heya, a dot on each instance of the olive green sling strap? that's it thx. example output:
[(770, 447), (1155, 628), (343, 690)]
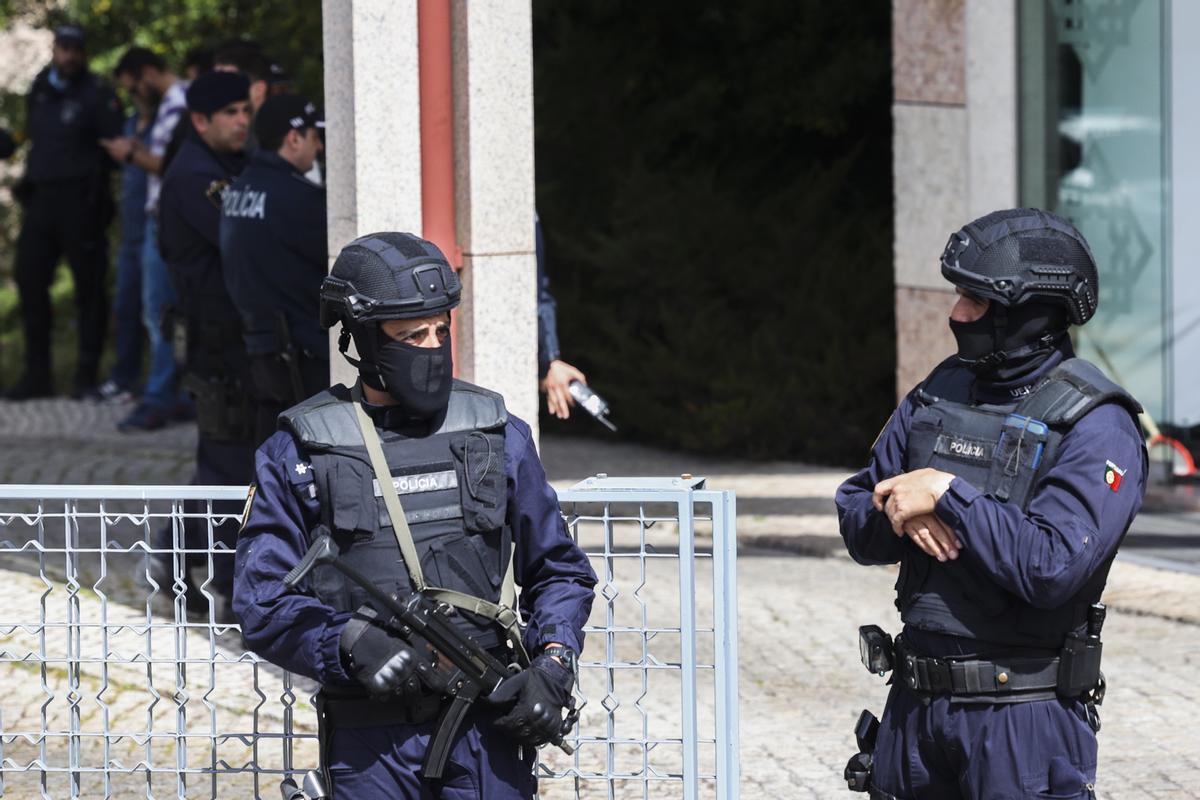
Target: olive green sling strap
[(501, 613)]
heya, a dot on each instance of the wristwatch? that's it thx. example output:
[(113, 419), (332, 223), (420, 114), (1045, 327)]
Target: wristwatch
[(569, 657)]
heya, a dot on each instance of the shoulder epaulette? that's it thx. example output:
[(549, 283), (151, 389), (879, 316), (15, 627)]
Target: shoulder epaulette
[(1073, 389), (328, 420)]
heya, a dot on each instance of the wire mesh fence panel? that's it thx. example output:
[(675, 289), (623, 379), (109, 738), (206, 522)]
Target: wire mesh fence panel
[(124, 674)]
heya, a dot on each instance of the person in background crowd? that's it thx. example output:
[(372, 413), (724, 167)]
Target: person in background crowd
[(145, 75), (554, 374), (215, 367), (8, 145), (274, 254), (198, 61), (68, 205), (248, 58), (127, 305)]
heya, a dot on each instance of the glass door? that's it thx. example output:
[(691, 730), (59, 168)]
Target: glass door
[(1093, 149)]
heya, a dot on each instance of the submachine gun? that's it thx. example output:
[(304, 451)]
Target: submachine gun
[(452, 662)]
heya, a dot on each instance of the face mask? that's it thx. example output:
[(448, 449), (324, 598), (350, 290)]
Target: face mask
[(417, 377), (975, 339)]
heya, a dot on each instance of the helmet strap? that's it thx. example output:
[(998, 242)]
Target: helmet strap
[(366, 365)]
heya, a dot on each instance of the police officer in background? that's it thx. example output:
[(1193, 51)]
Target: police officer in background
[(477, 517), (273, 252), (1003, 485), (215, 366), (8, 145), (68, 206)]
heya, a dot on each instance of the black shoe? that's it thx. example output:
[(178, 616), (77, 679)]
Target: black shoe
[(29, 388)]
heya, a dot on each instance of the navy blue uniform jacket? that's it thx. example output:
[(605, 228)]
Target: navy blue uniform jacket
[(1043, 555), (274, 253), (65, 127), (189, 239), (300, 633)]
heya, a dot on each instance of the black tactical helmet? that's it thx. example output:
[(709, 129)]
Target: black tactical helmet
[(1015, 256), (388, 276)]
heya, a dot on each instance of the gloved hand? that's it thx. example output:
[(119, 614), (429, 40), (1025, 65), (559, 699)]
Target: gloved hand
[(540, 692), (383, 663)]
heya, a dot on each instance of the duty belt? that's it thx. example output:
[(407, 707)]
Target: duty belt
[(364, 712), (1030, 678)]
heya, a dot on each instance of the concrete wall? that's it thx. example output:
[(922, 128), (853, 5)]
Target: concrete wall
[(372, 99), (372, 130), (955, 153), (493, 141)]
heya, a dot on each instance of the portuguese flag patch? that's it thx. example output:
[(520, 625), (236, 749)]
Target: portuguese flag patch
[(1113, 475)]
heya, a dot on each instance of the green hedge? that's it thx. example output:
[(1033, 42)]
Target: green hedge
[(714, 180)]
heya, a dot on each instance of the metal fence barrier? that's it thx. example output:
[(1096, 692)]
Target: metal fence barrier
[(118, 680)]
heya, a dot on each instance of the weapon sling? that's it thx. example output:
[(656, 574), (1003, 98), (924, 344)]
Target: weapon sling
[(502, 613)]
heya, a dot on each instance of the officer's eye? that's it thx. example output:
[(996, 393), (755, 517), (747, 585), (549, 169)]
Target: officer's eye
[(443, 331)]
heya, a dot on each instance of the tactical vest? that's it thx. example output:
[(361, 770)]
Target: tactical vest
[(1002, 451), (451, 483)]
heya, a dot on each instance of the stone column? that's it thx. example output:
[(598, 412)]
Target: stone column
[(954, 77), (930, 172), (494, 198), (372, 129), (372, 100)]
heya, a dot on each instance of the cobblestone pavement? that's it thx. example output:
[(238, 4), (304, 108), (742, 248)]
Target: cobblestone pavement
[(801, 601)]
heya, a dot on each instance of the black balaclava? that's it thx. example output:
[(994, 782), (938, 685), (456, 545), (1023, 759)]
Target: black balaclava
[(1008, 347), (418, 378)]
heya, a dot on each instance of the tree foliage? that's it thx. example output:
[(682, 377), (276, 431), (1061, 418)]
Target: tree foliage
[(714, 180), (290, 32)]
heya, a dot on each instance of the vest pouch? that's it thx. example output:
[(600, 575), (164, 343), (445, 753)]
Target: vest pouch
[(352, 500), (482, 482), (922, 438), (1019, 453), (452, 562)]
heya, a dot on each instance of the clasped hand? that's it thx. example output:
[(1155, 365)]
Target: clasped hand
[(909, 501)]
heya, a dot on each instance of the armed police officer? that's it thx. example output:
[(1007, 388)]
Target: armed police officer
[(1003, 485), (208, 334), (273, 252), (68, 206), (432, 491)]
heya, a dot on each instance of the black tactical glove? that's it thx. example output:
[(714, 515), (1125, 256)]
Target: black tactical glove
[(541, 692), (383, 663)]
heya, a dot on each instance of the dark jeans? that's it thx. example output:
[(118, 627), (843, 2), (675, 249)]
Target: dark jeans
[(127, 314), (157, 294), (63, 219)]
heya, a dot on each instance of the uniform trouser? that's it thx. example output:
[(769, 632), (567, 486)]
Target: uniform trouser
[(384, 763), (928, 748), (274, 392), (127, 314), (63, 219), (218, 463)]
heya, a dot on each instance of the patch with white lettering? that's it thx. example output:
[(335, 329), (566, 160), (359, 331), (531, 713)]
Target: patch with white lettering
[(965, 448), (421, 482), (244, 202)]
